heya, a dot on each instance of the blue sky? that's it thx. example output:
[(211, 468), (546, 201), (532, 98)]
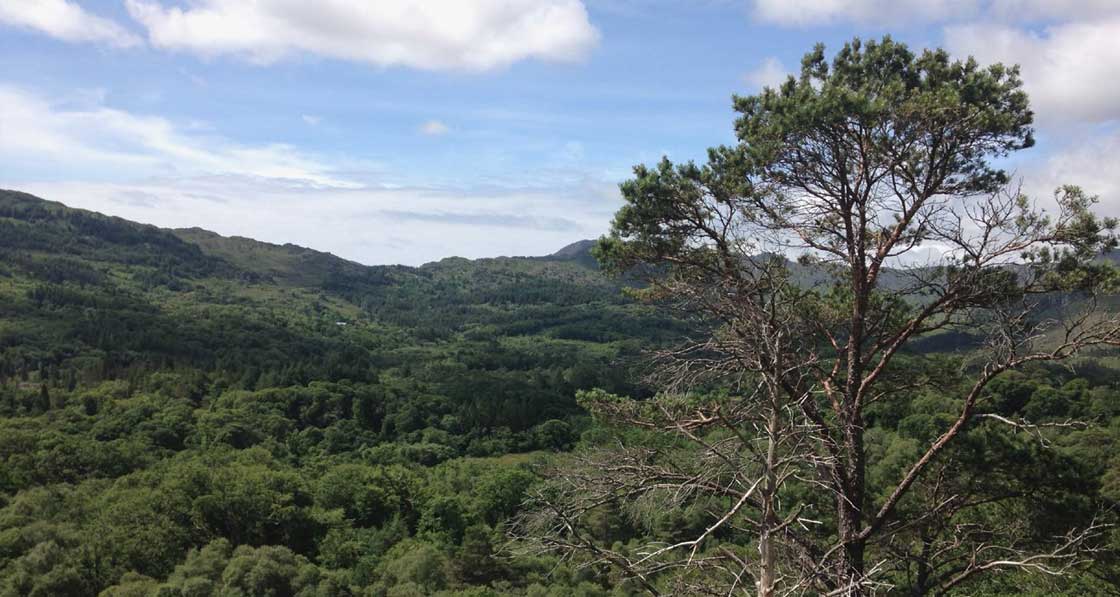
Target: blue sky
[(406, 131)]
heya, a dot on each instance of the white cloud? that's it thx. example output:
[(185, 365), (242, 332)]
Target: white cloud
[(898, 12), (371, 225), (66, 21), (1031, 10), (472, 35), (1072, 71), (892, 12), (94, 139), (1089, 162), (771, 73), (434, 128), (146, 168), (1071, 67), (311, 119)]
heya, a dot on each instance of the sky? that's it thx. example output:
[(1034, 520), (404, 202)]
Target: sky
[(405, 131)]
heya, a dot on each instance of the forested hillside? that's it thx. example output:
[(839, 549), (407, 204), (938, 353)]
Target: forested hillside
[(350, 408), (187, 414)]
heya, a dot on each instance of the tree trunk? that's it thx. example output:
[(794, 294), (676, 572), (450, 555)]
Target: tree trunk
[(849, 506), (767, 575), (851, 494)]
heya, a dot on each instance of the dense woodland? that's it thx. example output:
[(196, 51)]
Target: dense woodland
[(177, 406), (183, 414), (186, 414)]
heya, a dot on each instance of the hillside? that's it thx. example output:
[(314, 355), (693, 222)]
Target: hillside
[(469, 348), (59, 261), (124, 346), (182, 413)]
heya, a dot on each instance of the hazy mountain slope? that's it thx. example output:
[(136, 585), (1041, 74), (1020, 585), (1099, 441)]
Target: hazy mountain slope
[(290, 265), (31, 227), (99, 295)]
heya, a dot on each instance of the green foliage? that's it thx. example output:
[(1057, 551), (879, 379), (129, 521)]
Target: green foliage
[(186, 414), (181, 415), (858, 162)]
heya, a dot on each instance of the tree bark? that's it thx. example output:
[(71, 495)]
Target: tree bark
[(767, 575)]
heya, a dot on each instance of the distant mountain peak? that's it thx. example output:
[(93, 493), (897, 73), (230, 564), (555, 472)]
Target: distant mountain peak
[(578, 252), (576, 249)]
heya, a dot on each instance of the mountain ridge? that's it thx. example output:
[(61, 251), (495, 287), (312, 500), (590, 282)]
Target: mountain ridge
[(150, 285), (10, 198)]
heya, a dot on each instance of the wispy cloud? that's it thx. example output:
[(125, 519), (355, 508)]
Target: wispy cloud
[(88, 137), (88, 154), (771, 73), (434, 128), (66, 21), (370, 225), (491, 220), (801, 13)]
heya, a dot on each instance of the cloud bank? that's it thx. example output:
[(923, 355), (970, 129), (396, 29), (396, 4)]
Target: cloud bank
[(1072, 70), (81, 152), (803, 13), (468, 35), (370, 225)]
